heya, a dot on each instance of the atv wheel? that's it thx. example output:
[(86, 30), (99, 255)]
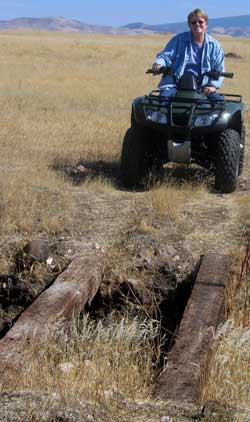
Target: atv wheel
[(242, 149), (137, 157), (228, 161)]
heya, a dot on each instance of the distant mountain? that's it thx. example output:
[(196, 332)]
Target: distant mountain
[(236, 26), (52, 24), (59, 24)]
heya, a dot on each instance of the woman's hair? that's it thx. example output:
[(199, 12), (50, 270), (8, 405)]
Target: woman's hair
[(198, 12)]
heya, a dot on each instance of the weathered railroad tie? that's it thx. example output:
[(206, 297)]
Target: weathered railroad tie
[(61, 302), (181, 379)]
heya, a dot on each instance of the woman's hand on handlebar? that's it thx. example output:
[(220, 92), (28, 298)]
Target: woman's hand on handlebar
[(156, 67), (208, 89)]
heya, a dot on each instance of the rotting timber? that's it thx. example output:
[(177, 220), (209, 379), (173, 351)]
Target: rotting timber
[(63, 301), (181, 378)]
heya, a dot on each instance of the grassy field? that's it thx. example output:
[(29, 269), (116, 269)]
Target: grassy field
[(65, 102), (66, 99)]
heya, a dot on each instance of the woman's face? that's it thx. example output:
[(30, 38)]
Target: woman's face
[(197, 24)]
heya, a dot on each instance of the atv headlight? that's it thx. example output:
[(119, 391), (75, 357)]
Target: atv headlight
[(157, 116), (205, 119)]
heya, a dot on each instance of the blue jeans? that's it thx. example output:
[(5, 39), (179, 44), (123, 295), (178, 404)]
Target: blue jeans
[(170, 91), (215, 96)]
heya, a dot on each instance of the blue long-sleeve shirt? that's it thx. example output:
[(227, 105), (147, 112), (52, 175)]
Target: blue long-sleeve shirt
[(177, 53)]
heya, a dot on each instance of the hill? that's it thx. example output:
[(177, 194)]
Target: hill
[(236, 26)]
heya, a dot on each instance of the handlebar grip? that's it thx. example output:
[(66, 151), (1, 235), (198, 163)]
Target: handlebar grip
[(215, 74), (164, 70), (227, 74)]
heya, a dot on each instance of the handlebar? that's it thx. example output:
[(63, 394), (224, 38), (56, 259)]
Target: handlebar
[(164, 70), (213, 74)]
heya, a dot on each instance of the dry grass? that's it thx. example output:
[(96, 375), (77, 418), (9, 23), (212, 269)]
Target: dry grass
[(100, 362), (67, 97), (228, 376), (34, 202), (99, 185), (243, 216), (167, 199)]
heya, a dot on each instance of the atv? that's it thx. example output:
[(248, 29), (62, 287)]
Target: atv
[(187, 127)]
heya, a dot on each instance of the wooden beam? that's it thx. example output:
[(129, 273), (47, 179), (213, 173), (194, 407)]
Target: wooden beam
[(181, 378), (63, 301)]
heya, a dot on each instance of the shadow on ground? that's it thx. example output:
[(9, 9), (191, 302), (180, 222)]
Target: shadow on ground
[(187, 174), (110, 171), (88, 170), (179, 175)]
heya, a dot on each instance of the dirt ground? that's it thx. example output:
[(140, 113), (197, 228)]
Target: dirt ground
[(170, 251)]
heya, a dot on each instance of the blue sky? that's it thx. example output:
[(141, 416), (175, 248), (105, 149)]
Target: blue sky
[(117, 13)]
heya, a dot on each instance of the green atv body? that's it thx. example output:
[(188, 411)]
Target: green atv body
[(185, 128)]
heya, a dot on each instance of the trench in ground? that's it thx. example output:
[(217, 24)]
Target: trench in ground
[(167, 312), (124, 300), (166, 305)]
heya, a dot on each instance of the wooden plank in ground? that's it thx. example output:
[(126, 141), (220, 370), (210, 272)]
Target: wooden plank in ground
[(61, 302), (181, 379)]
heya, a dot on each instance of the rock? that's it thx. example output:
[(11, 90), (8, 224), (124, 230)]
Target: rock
[(146, 259), (166, 252), (81, 169), (50, 262), (37, 249)]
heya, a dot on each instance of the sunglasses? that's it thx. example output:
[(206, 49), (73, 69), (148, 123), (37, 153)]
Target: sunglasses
[(199, 22)]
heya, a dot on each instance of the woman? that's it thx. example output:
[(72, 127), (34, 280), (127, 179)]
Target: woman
[(192, 51)]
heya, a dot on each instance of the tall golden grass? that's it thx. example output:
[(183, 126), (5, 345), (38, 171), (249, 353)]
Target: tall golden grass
[(66, 98), (102, 363), (228, 376)]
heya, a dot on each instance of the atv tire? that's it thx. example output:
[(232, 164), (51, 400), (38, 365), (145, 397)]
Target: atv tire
[(242, 149), (228, 161), (137, 157)]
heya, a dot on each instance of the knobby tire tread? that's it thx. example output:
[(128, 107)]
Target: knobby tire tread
[(227, 164)]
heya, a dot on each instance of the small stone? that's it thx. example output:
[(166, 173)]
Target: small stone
[(166, 252), (37, 249), (98, 247), (49, 261), (166, 419), (81, 169)]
